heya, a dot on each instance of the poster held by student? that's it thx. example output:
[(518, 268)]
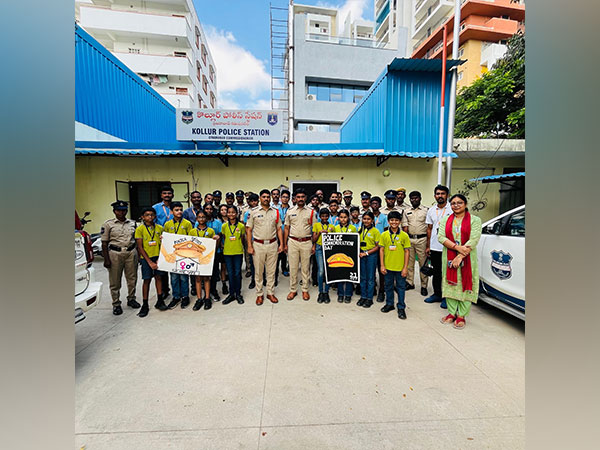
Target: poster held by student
[(340, 253), (189, 255)]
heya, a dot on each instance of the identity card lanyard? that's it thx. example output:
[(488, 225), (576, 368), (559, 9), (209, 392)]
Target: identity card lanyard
[(177, 229), (232, 233), (153, 232), (166, 211)]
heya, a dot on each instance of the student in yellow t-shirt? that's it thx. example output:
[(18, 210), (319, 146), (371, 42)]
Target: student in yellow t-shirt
[(233, 232), (319, 228), (147, 238), (204, 231), (369, 241), (345, 288), (393, 254), (180, 283)]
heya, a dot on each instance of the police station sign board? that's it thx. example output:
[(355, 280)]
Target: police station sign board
[(224, 125)]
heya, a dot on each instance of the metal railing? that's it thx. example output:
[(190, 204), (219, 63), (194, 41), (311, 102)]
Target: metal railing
[(368, 43)]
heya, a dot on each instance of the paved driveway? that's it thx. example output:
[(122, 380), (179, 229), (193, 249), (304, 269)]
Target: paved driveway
[(298, 375)]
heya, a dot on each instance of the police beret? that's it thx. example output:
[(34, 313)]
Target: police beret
[(119, 204), (401, 189), (229, 194), (365, 194), (390, 193), (217, 193), (347, 192), (239, 193)]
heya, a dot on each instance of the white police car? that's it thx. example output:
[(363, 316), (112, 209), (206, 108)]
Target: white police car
[(501, 258)]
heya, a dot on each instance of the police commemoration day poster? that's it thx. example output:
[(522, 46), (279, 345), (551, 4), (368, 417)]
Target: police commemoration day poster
[(340, 253), (189, 255), (220, 125)]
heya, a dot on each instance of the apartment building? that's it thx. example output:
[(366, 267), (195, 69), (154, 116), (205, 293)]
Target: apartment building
[(335, 61), (485, 27), (162, 41)]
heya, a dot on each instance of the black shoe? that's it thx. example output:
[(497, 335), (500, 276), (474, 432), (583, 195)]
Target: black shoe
[(160, 304), (401, 314), (144, 310), (368, 303), (387, 308), (320, 298), (424, 292), (347, 299), (340, 299), (240, 299), (361, 301), (225, 289), (199, 303), (228, 299), (315, 283), (326, 298), (117, 310), (381, 297), (133, 304), (174, 303), (207, 303), (185, 302), (252, 285), (408, 287), (248, 274), (215, 296)]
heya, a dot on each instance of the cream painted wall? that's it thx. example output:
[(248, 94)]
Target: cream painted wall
[(95, 176)]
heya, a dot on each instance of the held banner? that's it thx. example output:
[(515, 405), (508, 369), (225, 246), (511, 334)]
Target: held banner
[(189, 255), (221, 125), (340, 253)]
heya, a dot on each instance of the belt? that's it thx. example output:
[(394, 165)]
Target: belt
[(304, 239), (121, 249), (261, 241), (418, 236)]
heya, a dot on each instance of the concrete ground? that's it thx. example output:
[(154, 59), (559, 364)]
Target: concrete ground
[(298, 375)]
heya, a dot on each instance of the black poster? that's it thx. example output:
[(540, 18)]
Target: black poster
[(340, 253)]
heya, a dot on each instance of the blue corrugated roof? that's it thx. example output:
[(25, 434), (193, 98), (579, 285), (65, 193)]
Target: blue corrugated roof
[(113, 99), (506, 177), (402, 108)]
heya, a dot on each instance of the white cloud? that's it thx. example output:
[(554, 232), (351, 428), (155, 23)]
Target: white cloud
[(356, 8), (238, 70)]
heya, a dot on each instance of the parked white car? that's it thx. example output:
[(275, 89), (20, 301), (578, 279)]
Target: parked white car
[(501, 258), (87, 289)]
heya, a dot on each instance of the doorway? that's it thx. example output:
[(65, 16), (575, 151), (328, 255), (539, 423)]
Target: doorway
[(313, 186), (141, 194)]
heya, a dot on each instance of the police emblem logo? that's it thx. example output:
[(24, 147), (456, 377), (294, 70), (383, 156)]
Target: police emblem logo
[(500, 264), (187, 117), (272, 118)]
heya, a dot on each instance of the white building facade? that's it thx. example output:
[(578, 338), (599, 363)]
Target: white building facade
[(334, 64), (162, 41)]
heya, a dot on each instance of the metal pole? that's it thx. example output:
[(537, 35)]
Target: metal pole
[(452, 104), (441, 143), (291, 72)]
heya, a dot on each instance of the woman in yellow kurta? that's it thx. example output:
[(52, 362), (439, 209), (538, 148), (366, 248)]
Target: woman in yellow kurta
[(459, 233)]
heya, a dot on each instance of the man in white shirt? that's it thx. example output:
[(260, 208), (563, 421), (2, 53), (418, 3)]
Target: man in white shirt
[(434, 248)]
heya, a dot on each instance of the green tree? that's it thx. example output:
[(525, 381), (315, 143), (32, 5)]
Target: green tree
[(494, 105)]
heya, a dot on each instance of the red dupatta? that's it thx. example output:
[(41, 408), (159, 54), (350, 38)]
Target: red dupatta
[(465, 270)]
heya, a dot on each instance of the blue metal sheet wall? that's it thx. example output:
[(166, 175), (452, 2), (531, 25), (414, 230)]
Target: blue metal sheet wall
[(402, 111), (113, 99)]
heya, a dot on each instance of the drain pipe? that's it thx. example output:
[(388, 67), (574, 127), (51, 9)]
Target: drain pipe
[(452, 104), (443, 99)]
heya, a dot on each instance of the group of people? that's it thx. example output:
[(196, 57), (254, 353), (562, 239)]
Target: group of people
[(278, 229)]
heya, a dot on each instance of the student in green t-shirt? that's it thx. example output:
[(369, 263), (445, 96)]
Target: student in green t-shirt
[(204, 231), (345, 288), (369, 241), (393, 255), (233, 232), (319, 228), (147, 238)]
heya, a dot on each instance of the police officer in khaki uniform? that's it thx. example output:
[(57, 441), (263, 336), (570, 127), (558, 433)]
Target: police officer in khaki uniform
[(400, 196), (298, 243), (365, 203), (120, 255), (390, 202), (263, 230), (414, 224)]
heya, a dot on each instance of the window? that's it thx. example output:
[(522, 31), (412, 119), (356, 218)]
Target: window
[(204, 84), (181, 91), (326, 92), (204, 53), (134, 50), (494, 227), (348, 94), (460, 76), (461, 52), (504, 16), (322, 127), (197, 38), (199, 101), (198, 70), (335, 93), (211, 71), (180, 54), (212, 100), (516, 224)]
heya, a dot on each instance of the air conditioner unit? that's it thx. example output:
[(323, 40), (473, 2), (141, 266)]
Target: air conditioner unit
[(311, 128), (311, 97)]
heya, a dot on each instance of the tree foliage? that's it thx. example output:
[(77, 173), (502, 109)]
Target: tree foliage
[(494, 105)]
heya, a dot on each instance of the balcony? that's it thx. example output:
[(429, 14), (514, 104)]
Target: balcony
[(158, 64), (368, 43), (434, 16), (134, 23), (383, 14), (178, 100), (490, 53)]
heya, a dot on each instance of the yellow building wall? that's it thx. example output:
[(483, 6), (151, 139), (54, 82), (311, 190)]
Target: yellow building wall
[(471, 69), (95, 176)]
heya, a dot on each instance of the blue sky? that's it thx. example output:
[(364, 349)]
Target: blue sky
[(238, 37)]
